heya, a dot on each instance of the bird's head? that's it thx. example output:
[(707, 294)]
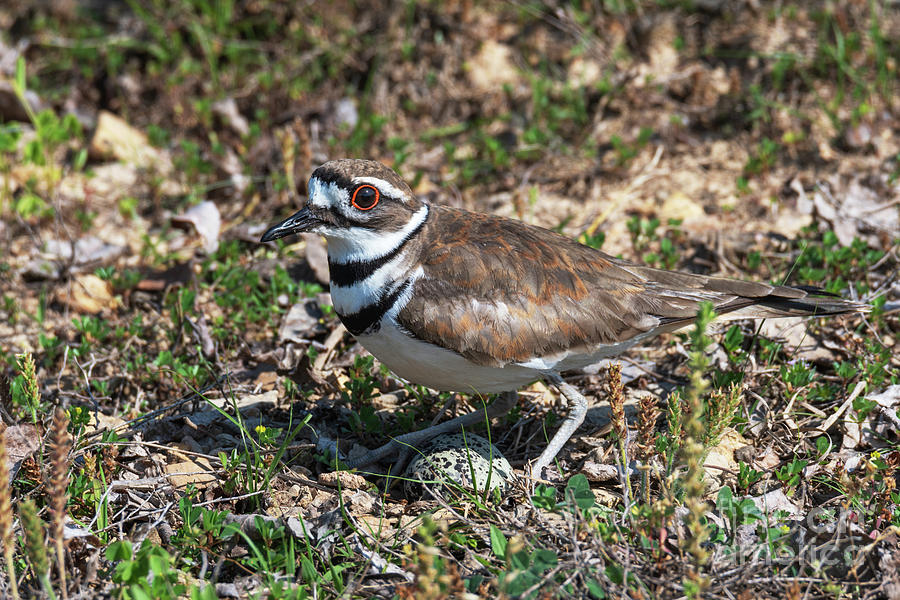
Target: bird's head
[(354, 204)]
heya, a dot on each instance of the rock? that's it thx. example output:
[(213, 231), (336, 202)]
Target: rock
[(88, 294), (345, 113), (344, 480), (679, 207), (492, 67), (774, 501), (86, 250), (116, 139), (599, 472), (196, 471), (721, 457)]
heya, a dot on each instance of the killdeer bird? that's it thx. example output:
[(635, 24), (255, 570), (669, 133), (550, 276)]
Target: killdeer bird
[(468, 302)]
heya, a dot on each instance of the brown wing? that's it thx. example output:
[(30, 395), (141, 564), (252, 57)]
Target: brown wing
[(490, 278)]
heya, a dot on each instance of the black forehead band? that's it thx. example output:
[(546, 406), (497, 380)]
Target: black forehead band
[(342, 173)]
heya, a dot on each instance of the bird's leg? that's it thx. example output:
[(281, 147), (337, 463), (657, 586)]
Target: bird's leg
[(404, 453), (501, 405), (577, 411)]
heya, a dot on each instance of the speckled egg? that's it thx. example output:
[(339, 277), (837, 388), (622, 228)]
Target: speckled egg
[(454, 457)]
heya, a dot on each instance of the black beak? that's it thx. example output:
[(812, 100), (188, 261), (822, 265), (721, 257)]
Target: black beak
[(299, 222)]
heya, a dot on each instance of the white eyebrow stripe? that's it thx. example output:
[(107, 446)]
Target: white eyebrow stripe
[(322, 194), (384, 186)]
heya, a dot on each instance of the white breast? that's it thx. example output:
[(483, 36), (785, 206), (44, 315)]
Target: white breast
[(438, 368), (441, 369)]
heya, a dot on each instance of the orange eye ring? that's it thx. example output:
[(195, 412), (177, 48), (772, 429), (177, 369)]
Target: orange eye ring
[(369, 198)]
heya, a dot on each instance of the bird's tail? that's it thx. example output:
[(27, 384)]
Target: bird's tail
[(793, 301)]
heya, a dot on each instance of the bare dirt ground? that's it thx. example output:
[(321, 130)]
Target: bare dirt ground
[(144, 147)]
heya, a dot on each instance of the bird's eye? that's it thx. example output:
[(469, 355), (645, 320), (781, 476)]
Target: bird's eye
[(365, 197)]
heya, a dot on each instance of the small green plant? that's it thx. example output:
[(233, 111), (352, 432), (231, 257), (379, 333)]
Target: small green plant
[(10, 134), (594, 240), (524, 568), (35, 534), (737, 512), (151, 572), (655, 249), (200, 529), (268, 436), (361, 385), (643, 231), (797, 374), (368, 128), (719, 412), (625, 152), (128, 207), (789, 474), (25, 391), (577, 496), (733, 343), (763, 158), (747, 476), (51, 134), (693, 450), (7, 534), (544, 497)]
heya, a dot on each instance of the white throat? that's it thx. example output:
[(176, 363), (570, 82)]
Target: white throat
[(358, 244)]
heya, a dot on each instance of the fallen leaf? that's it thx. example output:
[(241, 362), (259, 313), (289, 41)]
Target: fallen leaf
[(889, 398), (88, 294), (21, 442), (227, 110), (793, 333), (888, 403), (774, 501), (302, 322), (250, 402), (205, 220), (852, 438), (858, 211)]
